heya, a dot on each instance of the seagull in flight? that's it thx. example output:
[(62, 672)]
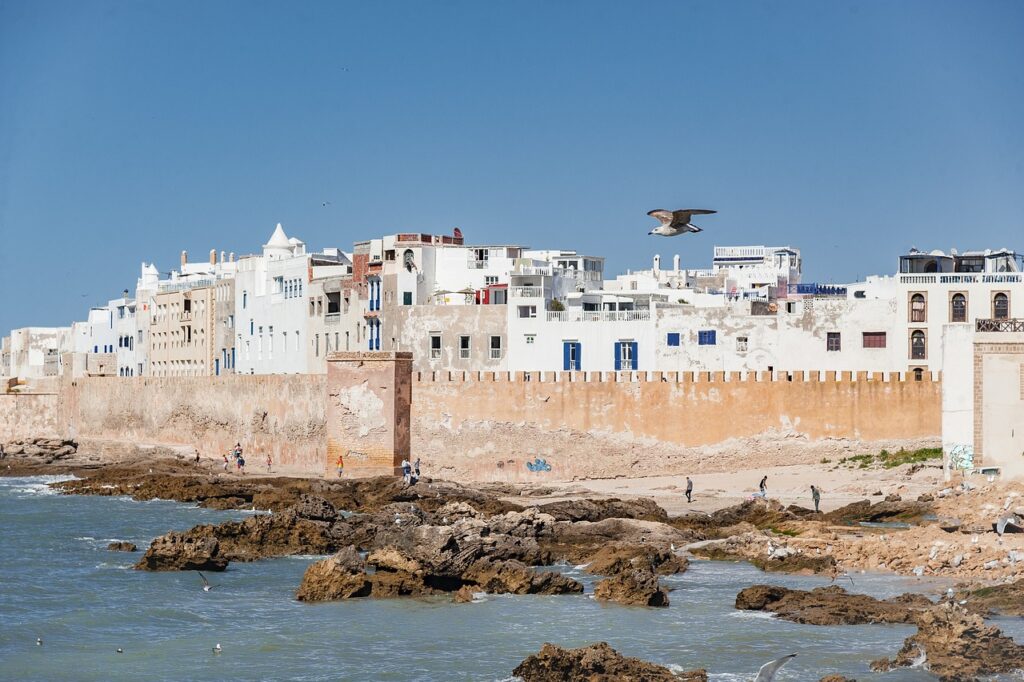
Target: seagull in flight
[(206, 583), (676, 222), (768, 670)]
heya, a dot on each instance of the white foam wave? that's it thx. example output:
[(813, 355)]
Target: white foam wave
[(24, 486), (580, 567), (763, 615)]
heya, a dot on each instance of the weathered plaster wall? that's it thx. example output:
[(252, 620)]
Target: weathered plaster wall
[(482, 427), (28, 416), (282, 415)]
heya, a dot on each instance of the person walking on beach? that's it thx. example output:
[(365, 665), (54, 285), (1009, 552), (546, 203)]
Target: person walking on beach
[(689, 490), (241, 465), (225, 462), (763, 485), (816, 496)]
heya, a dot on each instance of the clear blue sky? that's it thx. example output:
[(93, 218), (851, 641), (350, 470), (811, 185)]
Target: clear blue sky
[(853, 130)]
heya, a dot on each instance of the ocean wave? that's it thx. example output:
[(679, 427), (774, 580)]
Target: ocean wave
[(764, 615), (26, 486), (120, 567)]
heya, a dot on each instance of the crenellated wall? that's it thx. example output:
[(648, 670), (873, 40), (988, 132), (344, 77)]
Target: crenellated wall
[(489, 426), (280, 415)]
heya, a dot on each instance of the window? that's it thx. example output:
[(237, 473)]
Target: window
[(530, 338), (316, 345), (741, 344), (526, 311), (435, 346), (625, 355), (406, 298), (490, 279), (495, 347), (790, 306), (958, 308), (673, 338), (874, 339), (278, 285), (499, 297), (833, 341), (250, 327), (917, 345), (706, 337), (917, 308), (571, 356), (1001, 307), (464, 347), (918, 374)]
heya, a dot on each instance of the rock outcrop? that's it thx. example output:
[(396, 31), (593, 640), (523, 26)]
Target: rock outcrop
[(956, 646), (183, 552), (341, 576), (830, 605), (617, 557), (641, 509), (1006, 599), (634, 587), (595, 663), (122, 546), (42, 450)]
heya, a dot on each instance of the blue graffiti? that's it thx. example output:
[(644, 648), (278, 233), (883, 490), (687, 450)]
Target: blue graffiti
[(538, 464), (961, 456)]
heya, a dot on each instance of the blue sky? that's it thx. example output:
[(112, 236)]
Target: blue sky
[(132, 130)]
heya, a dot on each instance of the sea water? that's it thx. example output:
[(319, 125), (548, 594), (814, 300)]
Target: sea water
[(60, 583)]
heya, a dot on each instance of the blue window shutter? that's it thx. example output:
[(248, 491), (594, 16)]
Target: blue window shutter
[(216, 366), (712, 340), (232, 358), (673, 338), (565, 355), (636, 360), (618, 356), (579, 356)]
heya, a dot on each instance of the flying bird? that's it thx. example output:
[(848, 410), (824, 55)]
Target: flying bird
[(676, 222), (768, 670), (206, 583), (327, 203)]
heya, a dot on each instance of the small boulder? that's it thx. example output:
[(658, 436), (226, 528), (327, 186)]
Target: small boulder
[(122, 546), (595, 663), (636, 587), (183, 552), (340, 576)]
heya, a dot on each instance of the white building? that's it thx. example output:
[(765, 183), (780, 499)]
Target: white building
[(272, 321), (36, 352)]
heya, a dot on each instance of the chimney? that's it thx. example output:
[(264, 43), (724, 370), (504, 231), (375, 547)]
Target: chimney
[(184, 258), (221, 256), (675, 262), (213, 256), (657, 262), (231, 257), (125, 293)]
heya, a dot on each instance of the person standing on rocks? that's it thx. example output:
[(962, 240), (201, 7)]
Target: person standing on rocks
[(689, 490), (816, 496), (341, 466), (269, 463), (406, 471), (225, 462), (763, 485), (416, 468), (241, 465), (197, 455)]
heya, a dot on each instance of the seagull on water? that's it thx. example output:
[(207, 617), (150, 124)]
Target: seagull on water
[(217, 648), (768, 670), (676, 222), (120, 650), (39, 641), (206, 583)]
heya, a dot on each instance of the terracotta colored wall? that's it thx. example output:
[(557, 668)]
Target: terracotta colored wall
[(483, 426), (282, 415)]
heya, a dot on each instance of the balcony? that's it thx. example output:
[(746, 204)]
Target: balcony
[(963, 278), (598, 315), (1014, 325), (332, 319), (526, 292)]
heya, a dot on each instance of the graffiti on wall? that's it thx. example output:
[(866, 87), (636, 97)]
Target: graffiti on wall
[(538, 464), (961, 456)]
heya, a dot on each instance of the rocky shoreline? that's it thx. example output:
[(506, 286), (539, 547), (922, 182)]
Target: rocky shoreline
[(386, 539)]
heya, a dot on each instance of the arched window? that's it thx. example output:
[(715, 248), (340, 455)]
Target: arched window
[(917, 345), (931, 266), (1001, 307), (958, 313), (917, 308), (918, 374)]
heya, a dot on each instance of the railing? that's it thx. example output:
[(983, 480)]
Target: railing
[(184, 285), (1012, 325), (961, 278), (478, 264), (332, 318), (598, 315), (526, 292)]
